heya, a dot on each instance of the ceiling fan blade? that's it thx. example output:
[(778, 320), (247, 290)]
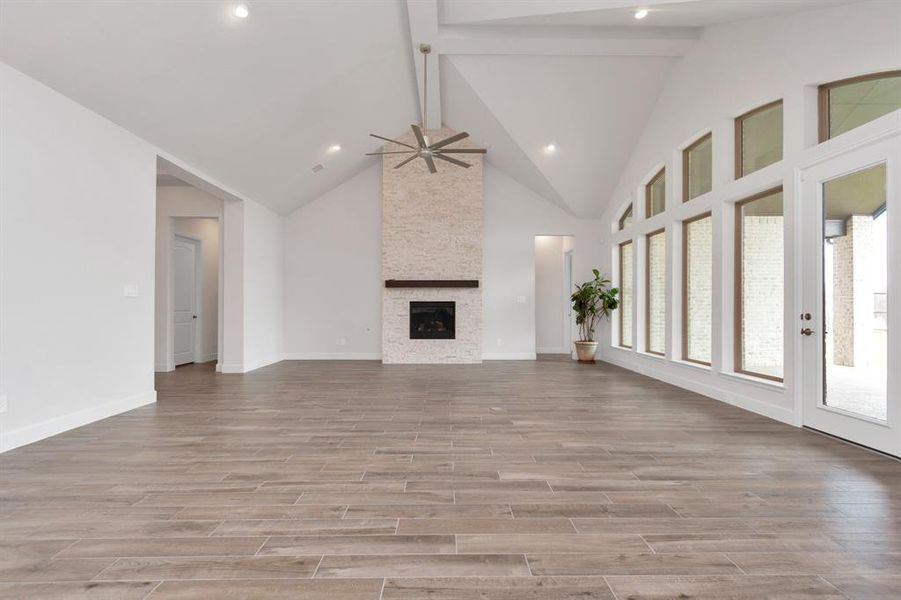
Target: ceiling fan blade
[(405, 161), (392, 141), (454, 138), (430, 163), (461, 150), (453, 160), (419, 137), (390, 152)]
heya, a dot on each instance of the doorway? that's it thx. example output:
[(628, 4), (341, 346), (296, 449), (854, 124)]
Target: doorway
[(187, 298), (848, 320), (553, 287)]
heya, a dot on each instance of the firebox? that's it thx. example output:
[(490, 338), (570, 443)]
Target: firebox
[(432, 321)]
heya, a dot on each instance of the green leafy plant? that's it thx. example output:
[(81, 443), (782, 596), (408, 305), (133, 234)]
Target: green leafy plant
[(592, 301)]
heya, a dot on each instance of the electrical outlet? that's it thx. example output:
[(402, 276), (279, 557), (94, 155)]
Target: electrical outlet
[(130, 290), (3, 403), (341, 341), (520, 299)]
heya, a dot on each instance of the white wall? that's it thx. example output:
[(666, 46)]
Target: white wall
[(333, 272), (333, 284), (733, 68), (264, 254), (206, 232), (77, 226), (181, 205)]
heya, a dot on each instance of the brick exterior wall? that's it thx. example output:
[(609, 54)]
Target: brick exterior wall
[(763, 294), (852, 315), (431, 229), (657, 293), (699, 292), (627, 291)]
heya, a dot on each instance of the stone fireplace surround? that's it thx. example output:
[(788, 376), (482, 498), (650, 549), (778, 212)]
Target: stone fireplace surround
[(431, 230)]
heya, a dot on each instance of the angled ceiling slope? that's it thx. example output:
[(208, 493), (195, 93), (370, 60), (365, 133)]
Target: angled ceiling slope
[(593, 109), (463, 107), (254, 103)]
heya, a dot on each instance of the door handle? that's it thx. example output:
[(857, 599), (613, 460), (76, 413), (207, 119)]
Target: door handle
[(807, 331)]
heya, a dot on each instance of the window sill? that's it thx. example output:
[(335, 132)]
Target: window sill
[(651, 355), (693, 365), (758, 381), (621, 348)]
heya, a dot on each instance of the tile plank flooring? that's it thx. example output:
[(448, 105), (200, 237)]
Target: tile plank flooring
[(505, 481)]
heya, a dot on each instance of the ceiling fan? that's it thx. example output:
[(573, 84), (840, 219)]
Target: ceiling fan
[(424, 150)]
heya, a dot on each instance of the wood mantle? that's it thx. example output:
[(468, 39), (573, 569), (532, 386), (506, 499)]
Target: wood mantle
[(431, 283)]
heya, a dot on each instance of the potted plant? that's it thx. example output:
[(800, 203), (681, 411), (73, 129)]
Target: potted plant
[(592, 301)]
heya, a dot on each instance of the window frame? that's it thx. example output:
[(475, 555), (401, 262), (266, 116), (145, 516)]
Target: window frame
[(685, 165), (647, 291), (622, 300), (628, 212), (738, 340), (738, 133), (685, 224), (661, 174), (823, 91)]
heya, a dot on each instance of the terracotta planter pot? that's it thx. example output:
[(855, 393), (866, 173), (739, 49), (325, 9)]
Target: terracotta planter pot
[(586, 351)]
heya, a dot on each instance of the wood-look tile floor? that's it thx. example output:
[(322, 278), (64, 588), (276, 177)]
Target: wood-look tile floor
[(509, 480)]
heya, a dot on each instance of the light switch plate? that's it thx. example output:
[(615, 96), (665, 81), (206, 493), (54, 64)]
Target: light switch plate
[(520, 299), (130, 290)]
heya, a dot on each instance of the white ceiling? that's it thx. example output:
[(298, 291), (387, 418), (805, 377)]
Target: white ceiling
[(256, 103), (595, 13)]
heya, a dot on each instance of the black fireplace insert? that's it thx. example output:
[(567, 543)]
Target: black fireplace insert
[(432, 321)]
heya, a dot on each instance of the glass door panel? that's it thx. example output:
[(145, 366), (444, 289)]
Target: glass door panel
[(849, 319), (855, 293)]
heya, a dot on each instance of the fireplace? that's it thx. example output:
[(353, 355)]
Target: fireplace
[(432, 321)]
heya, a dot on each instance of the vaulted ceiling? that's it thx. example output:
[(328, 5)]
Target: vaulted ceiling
[(256, 103)]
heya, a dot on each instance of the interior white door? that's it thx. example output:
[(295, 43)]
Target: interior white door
[(184, 263), (849, 320)]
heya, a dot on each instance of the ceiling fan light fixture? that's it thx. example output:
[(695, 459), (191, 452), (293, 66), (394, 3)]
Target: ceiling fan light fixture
[(334, 148), (550, 148), (425, 149)]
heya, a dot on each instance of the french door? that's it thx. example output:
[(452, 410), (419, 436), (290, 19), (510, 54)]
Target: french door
[(849, 318)]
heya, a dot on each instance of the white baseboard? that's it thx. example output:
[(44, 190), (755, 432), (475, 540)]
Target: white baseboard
[(208, 358), (163, 368), (556, 350), (333, 356), (39, 431), (248, 366), (739, 400), (508, 356)]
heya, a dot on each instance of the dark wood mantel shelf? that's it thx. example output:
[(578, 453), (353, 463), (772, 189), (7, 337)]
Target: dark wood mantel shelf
[(431, 283)]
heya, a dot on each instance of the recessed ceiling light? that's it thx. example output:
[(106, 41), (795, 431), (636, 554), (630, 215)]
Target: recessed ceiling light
[(241, 10), (334, 148), (550, 149), (641, 13)]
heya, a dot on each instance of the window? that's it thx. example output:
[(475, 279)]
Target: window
[(850, 103), (759, 285), (655, 194), (697, 288), (626, 290), (626, 219), (758, 138), (697, 168), (655, 293)]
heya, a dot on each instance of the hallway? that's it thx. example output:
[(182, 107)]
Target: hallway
[(513, 480)]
